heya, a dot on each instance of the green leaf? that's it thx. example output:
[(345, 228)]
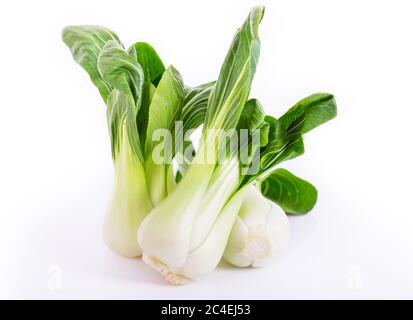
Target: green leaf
[(285, 140), (293, 149), (252, 116), (306, 115), (86, 43), (277, 142), (151, 63), (264, 132), (192, 116), (195, 105), (186, 159), (293, 194), (309, 113), (121, 112), (148, 91), (233, 85), (178, 176), (124, 74), (166, 105), (121, 71), (252, 120)]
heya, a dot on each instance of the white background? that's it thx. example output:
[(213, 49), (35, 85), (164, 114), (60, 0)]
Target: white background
[(56, 168)]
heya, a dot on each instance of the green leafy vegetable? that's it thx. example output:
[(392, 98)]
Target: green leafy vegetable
[(149, 60), (86, 43), (234, 81), (195, 105), (125, 76), (184, 236), (184, 224), (121, 81), (309, 113), (293, 194), (120, 70), (166, 105), (164, 110)]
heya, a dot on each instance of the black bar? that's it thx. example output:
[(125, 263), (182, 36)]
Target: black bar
[(203, 309)]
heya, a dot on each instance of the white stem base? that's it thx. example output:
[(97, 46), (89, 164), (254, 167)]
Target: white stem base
[(258, 247), (165, 271)]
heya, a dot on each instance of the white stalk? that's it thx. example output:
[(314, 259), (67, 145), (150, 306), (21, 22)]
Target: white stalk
[(160, 180), (130, 203), (185, 235), (166, 232), (223, 182), (261, 232), (207, 255)]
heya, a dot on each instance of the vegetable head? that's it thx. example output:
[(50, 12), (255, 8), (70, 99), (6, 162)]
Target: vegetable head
[(260, 233), (183, 224), (184, 236), (142, 97)]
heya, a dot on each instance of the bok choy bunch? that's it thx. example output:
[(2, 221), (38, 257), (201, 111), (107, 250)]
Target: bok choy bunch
[(185, 235), (141, 97), (227, 199)]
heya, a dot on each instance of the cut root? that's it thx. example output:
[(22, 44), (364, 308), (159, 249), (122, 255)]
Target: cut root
[(258, 247), (165, 271)]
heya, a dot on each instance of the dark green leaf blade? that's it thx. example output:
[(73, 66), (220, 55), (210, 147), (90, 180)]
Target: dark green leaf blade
[(121, 114), (233, 85), (86, 43), (148, 91), (121, 70), (293, 149), (285, 137), (166, 105), (151, 63), (195, 105), (252, 116), (185, 159), (124, 74), (309, 113), (293, 194), (264, 132), (277, 142), (251, 137)]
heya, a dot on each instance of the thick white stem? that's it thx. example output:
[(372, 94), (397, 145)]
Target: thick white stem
[(207, 255), (185, 235), (165, 234), (129, 205), (160, 180), (222, 185)]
